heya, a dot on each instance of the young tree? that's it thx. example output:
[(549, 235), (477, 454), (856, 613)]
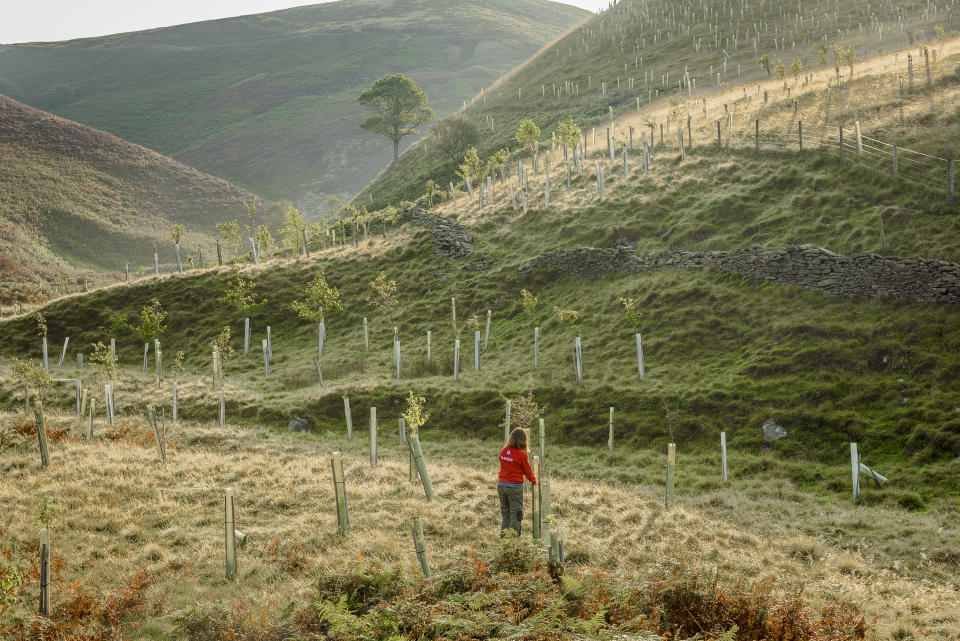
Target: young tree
[(764, 61), (845, 56), (103, 361), (293, 228), (454, 135), (528, 133), (401, 107), (242, 294), (319, 298), (780, 69), (223, 347), (414, 414), (822, 52), (524, 410), (230, 235), (384, 297), (528, 303), (568, 133), (176, 234), (254, 207), (570, 317), (796, 68), (631, 314), (31, 376), (471, 167), (265, 242), (152, 318), (432, 190)]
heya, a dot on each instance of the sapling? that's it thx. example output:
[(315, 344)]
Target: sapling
[(229, 233), (572, 318), (632, 317), (242, 295), (177, 366), (528, 133), (319, 298), (176, 235), (42, 329), (221, 345), (32, 377), (416, 417), (294, 226), (528, 303)]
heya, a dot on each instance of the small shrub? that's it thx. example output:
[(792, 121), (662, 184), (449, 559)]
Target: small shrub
[(363, 587), (515, 555)]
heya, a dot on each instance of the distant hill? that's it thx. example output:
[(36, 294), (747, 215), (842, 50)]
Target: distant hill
[(269, 101), (72, 197), (644, 51)]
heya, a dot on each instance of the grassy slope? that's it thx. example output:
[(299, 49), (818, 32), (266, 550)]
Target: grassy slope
[(637, 23), (269, 101), (115, 517), (75, 197), (725, 354)]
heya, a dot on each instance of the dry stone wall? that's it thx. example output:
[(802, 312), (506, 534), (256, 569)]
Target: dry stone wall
[(806, 266), (449, 239)]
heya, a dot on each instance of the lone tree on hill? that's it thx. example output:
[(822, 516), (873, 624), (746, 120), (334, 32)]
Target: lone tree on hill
[(401, 107)]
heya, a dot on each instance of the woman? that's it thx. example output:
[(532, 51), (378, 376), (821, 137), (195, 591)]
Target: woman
[(514, 465)]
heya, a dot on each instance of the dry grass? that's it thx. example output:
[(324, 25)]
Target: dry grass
[(122, 510)]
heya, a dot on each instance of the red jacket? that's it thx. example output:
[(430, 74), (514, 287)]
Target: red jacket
[(514, 465)]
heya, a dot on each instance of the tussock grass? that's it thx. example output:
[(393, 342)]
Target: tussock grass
[(117, 515)]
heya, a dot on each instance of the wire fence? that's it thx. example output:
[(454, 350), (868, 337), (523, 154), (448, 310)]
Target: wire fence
[(937, 174)]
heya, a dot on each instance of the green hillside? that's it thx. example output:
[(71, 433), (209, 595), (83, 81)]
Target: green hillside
[(74, 198), (268, 101), (652, 51)]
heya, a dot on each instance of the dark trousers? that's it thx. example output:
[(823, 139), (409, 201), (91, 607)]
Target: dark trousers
[(511, 507)]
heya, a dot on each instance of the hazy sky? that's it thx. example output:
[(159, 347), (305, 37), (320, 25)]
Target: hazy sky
[(45, 20)]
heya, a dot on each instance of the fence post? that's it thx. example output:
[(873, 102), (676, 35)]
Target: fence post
[(456, 359), (44, 609), (373, 437), (859, 138), (546, 511), (756, 135), (340, 492), (266, 358), (366, 337), (841, 144), (951, 170), (223, 408), (718, 134), (723, 455), (229, 536), (429, 346), (896, 165), (671, 471), (420, 547), (800, 133), (476, 350), (402, 424)]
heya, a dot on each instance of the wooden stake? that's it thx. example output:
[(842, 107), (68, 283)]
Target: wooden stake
[(546, 510), (266, 357), (44, 608), (536, 348), (176, 404), (230, 540), (373, 437), (429, 351), (640, 367), (671, 471), (543, 448), (223, 410), (366, 337), (420, 547), (535, 499), (340, 490), (476, 350), (456, 359), (402, 424)]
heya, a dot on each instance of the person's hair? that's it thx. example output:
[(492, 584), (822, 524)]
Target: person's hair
[(519, 440)]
